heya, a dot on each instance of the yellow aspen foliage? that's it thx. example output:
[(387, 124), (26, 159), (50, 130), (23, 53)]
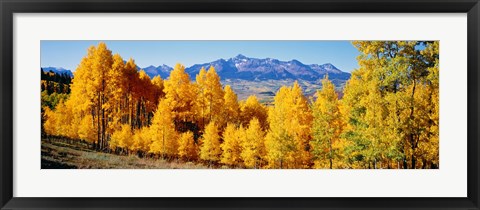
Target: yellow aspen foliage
[(201, 84), (279, 142), (73, 122), (115, 92), (142, 140), (87, 130), (158, 86), (231, 148), (181, 96), (101, 63), (287, 141), (158, 81), (187, 148), (145, 103), (392, 130), (431, 158), (211, 95), (215, 97), (129, 99), (428, 144), (89, 96), (210, 148), (164, 137), (50, 122), (387, 125), (301, 126), (81, 94), (252, 108), (59, 121), (252, 144), (375, 117), (428, 99), (387, 116), (122, 138), (353, 114), (327, 126), (231, 108), (105, 94), (114, 142)]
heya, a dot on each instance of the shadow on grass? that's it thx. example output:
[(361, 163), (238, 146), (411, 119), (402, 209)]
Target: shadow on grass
[(47, 164)]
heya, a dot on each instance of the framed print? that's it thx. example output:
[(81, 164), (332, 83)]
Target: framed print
[(239, 105)]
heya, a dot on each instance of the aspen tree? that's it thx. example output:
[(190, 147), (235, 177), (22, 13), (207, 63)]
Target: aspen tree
[(252, 144), (210, 149)]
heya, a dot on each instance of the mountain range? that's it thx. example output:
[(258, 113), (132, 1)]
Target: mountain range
[(58, 70), (252, 69)]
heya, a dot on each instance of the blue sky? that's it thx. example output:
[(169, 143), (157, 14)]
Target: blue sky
[(67, 54)]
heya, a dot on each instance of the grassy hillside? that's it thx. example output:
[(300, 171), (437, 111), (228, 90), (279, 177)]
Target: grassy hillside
[(265, 90), (61, 154)]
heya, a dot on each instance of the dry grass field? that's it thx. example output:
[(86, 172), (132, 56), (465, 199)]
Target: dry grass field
[(62, 154)]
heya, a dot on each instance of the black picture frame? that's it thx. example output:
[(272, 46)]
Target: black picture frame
[(10, 7)]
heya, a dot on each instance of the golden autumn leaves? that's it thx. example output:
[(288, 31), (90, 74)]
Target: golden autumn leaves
[(387, 118)]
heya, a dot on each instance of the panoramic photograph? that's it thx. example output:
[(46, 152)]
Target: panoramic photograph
[(239, 104)]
